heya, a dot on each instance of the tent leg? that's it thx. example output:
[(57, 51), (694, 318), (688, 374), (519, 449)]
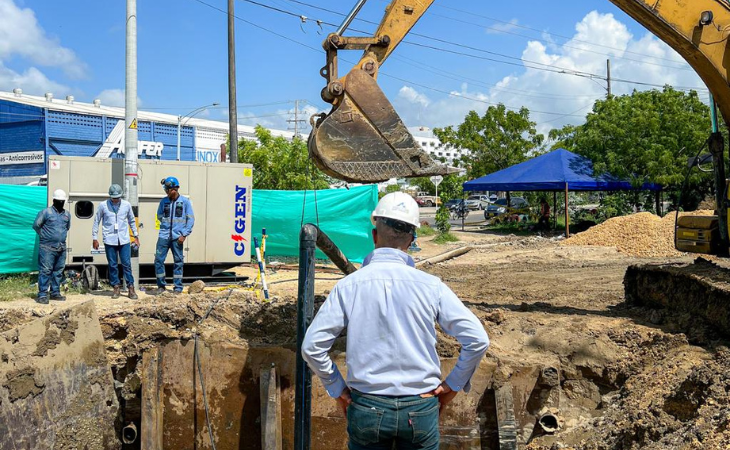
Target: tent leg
[(567, 215)]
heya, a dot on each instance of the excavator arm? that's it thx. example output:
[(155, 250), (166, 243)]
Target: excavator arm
[(362, 139)]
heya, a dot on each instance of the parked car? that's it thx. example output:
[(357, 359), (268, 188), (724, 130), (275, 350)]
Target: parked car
[(452, 202), (477, 202), (428, 200), (518, 205)]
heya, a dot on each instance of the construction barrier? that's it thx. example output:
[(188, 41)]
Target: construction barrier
[(19, 206), (344, 214)]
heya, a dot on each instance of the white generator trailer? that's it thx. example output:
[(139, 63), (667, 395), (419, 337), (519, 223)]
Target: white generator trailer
[(220, 194)]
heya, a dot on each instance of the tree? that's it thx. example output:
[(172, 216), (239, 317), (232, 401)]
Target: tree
[(644, 137), (280, 164), (497, 140)]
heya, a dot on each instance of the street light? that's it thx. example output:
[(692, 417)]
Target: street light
[(189, 116)]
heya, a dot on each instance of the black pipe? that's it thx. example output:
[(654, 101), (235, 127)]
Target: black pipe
[(305, 312), (310, 237)]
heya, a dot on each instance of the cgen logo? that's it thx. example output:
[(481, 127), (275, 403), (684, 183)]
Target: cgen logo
[(239, 222)]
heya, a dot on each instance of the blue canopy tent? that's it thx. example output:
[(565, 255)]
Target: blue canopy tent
[(559, 170)]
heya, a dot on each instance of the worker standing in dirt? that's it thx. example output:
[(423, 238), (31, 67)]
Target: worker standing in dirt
[(543, 222), (176, 218), (52, 225), (116, 218), (394, 390)]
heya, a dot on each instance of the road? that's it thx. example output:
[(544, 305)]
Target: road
[(429, 215)]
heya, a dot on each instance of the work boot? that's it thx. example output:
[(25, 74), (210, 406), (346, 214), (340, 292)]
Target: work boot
[(132, 294), (42, 299), (58, 298), (117, 290)]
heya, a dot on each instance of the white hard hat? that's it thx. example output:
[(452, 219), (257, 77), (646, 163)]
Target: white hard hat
[(397, 206), (59, 194)]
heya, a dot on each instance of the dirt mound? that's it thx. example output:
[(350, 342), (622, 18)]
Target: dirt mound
[(643, 234)]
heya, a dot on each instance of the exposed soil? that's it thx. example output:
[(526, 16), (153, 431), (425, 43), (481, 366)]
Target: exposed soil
[(628, 377)]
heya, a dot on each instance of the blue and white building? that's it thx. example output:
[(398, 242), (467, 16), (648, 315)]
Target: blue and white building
[(32, 128)]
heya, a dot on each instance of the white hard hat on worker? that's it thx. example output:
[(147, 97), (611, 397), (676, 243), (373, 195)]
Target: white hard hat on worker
[(59, 194), (397, 206)]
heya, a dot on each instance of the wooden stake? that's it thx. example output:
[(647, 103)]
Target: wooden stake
[(270, 410), (152, 407)]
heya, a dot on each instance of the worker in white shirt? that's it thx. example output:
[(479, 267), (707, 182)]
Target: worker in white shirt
[(394, 390)]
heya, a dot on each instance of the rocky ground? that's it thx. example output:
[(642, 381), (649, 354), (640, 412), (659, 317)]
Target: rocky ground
[(630, 379)]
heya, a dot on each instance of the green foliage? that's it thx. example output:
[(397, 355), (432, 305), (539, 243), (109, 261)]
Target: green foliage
[(445, 238), (392, 188), (426, 230), (13, 287), (442, 220), (497, 140), (280, 164), (645, 136)]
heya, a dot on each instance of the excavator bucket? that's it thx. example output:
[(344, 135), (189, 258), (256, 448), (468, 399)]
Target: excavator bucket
[(363, 140)]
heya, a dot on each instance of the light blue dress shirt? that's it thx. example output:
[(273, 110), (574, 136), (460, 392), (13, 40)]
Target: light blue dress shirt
[(115, 222), (389, 308)]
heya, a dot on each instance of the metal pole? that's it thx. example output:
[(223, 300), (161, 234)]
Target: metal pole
[(567, 215), (130, 124), (179, 119), (232, 116), (350, 17), (305, 312), (608, 77)]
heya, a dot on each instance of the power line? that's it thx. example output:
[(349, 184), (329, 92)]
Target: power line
[(502, 31), (523, 63)]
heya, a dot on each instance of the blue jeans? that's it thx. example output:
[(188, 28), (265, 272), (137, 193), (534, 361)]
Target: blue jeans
[(50, 270), (403, 423), (117, 255), (163, 245)]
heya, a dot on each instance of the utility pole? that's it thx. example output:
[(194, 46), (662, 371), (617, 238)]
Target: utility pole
[(608, 77), (296, 119), (232, 116), (130, 124)]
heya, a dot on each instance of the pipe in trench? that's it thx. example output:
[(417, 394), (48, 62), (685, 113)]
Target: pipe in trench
[(549, 422), (129, 433)]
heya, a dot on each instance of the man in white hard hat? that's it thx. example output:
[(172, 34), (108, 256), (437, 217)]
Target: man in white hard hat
[(52, 225), (116, 218), (394, 390)]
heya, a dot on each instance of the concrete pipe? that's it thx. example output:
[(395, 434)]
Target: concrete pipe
[(549, 422), (129, 433)]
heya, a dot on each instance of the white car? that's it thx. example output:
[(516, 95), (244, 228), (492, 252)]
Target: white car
[(477, 202)]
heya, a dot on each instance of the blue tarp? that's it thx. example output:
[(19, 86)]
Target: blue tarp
[(551, 172)]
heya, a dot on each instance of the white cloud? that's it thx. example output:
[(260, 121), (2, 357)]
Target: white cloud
[(568, 97), (115, 97), (502, 27), (22, 35), (32, 81)]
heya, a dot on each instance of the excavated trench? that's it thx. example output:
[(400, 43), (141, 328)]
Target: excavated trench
[(563, 381)]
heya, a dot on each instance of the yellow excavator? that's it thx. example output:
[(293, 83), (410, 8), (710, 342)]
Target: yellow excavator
[(362, 139)]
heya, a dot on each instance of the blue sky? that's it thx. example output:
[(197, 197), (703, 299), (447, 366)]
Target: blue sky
[(76, 47)]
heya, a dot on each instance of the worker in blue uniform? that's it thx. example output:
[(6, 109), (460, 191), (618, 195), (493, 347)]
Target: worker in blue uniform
[(394, 389), (52, 225), (176, 218)]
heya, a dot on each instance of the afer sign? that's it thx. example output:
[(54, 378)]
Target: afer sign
[(115, 142)]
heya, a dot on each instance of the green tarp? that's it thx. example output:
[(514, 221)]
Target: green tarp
[(18, 242), (343, 214)]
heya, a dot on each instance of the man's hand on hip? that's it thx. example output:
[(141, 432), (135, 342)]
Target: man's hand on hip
[(344, 400), (95, 244), (445, 394)]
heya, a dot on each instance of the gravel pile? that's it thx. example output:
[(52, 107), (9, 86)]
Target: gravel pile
[(643, 235)]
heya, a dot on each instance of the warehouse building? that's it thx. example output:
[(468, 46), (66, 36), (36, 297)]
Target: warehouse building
[(32, 128)]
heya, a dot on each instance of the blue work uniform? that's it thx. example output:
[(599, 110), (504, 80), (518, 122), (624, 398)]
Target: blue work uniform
[(390, 309), (176, 219), (52, 227), (116, 220)]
